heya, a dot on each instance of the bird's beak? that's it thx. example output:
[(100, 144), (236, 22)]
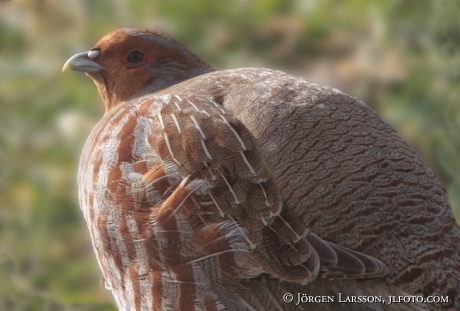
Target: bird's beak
[(81, 62)]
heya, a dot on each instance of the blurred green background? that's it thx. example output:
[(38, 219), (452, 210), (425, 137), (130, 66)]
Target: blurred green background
[(401, 57)]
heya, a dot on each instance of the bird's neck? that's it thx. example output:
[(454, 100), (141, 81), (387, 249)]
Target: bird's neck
[(158, 78)]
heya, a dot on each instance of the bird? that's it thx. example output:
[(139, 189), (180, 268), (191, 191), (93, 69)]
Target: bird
[(252, 189)]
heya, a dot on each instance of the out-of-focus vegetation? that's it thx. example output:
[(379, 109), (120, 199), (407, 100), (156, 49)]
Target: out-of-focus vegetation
[(401, 57)]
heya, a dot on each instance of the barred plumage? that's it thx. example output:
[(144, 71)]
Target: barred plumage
[(224, 190)]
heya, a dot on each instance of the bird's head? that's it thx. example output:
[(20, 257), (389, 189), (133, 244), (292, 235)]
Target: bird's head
[(128, 63)]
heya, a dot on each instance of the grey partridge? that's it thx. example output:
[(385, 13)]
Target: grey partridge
[(227, 190)]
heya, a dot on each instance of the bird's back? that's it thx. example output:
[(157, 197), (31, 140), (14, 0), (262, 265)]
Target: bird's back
[(349, 176)]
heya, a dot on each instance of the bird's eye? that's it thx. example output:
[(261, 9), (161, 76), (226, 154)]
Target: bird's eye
[(135, 56)]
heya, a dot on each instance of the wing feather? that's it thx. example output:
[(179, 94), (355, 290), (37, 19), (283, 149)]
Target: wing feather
[(233, 186)]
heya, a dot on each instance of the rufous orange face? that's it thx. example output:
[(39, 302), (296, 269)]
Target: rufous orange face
[(128, 63)]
